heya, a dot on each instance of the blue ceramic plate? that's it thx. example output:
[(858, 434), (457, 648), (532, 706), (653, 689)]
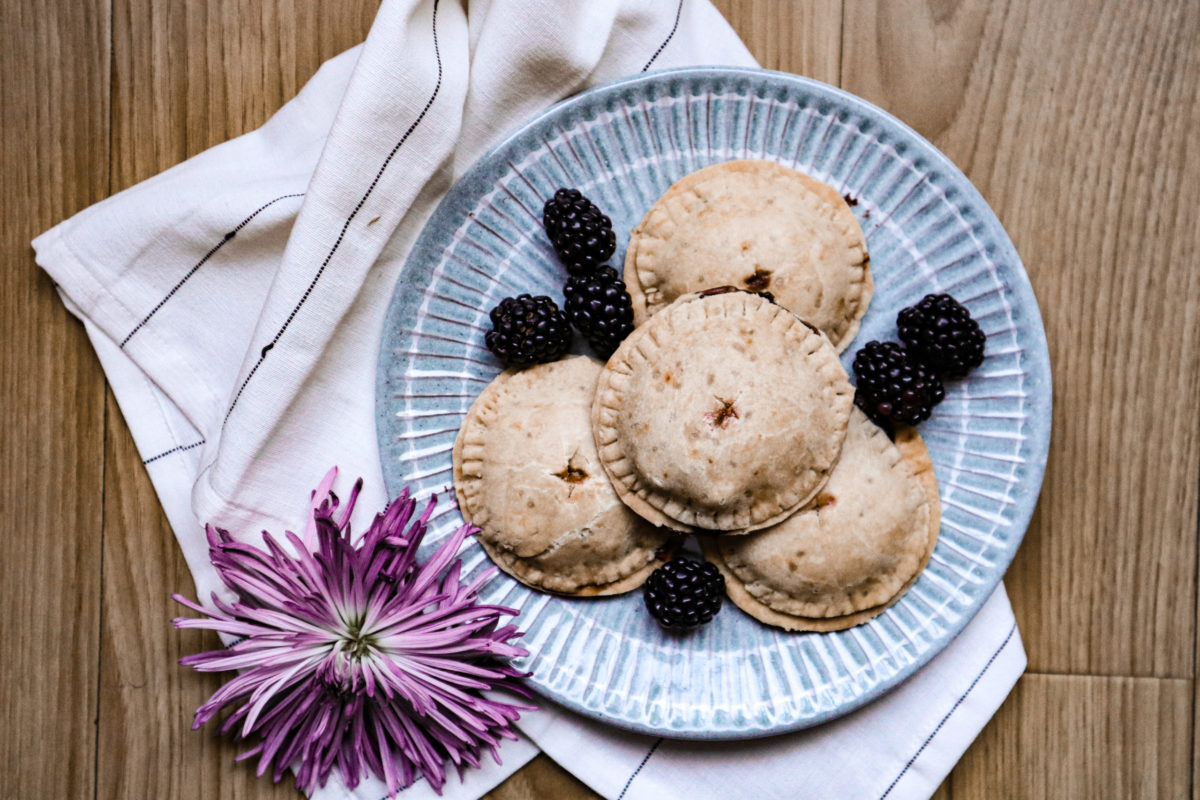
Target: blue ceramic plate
[(928, 230)]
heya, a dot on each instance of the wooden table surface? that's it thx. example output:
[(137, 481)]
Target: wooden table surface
[(1078, 121)]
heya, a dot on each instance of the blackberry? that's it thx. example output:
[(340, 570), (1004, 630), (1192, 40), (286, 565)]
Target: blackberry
[(894, 388), (582, 237), (528, 330), (684, 594), (599, 308), (941, 334)]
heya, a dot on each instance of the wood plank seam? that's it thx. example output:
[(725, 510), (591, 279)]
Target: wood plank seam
[(104, 437), (1194, 784), (103, 528)]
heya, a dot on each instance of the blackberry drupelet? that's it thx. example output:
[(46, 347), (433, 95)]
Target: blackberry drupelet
[(582, 237), (556, 208), (528, 330), (684, 594), (940, 334), (893, 388), (599, 308)]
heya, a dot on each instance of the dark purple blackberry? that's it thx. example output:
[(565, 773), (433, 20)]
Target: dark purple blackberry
[(940, 334), (684, 594), (556, 208), (528, 330), (893, 388), (582, 237), (599, 308)]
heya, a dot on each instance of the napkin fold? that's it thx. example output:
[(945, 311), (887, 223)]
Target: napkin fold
[(236, 303)]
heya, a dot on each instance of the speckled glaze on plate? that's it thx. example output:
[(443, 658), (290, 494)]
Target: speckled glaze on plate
[(928, 230)]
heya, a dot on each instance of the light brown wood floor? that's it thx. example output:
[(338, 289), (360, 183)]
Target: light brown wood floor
[(1080, 123)]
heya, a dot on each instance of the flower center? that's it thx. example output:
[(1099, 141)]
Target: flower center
[(344, 664), (355, 643)]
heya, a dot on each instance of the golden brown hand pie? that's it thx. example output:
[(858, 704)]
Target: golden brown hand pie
[(526, 472), (758, 226), (722, 412), (850, 553)]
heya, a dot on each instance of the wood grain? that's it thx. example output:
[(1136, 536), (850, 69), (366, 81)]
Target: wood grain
[(187, 76), (53, 161), (1075, 119), (146, 698), (1078, 126), (804, 38), (541, 777), (1077, 736)]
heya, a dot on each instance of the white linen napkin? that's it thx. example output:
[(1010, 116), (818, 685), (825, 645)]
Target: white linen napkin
[(236, 303)]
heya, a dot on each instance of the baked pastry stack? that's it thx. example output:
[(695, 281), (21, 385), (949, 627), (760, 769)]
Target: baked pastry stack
[(726, 413)]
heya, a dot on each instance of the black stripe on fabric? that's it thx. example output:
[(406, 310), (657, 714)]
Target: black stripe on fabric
[(178, 449), (653, 747), (667, 41), (953, 708), (345, 226), (212, 252), (416, 779)]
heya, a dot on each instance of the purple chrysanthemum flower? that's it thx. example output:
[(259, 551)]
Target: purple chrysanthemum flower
[(356, 656)]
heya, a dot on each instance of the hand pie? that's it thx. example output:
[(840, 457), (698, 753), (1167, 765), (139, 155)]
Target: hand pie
[(526, 472), (758, 226), (851, 552), (723, 412)]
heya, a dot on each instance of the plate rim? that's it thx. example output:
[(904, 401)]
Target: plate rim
[(1040, 404)]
